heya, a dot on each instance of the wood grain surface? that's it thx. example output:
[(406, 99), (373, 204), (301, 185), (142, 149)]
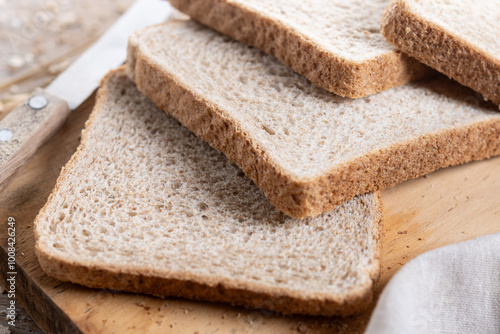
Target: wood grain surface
[(40, 38), (24, 323), (30, 129), (448, 206)]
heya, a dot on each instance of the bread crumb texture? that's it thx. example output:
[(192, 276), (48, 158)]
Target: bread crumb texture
[(457, 38), (146, 206), (336, 44), (347, 29), (309, 150)]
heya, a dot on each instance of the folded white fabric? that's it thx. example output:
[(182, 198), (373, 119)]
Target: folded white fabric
[(454, 289)]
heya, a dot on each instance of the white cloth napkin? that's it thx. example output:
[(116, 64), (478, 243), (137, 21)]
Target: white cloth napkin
[(454, 289)]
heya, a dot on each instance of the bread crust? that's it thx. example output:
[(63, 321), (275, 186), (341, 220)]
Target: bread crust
[(249, 296), (217, 289), (309, 197), (442, 50), (342, 76)]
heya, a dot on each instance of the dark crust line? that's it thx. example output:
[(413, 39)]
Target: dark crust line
[(165, 287), (335, 74), (101, 276), (379, 169), (442, 50)]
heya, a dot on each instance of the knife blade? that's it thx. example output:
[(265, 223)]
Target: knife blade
[(35, 120)]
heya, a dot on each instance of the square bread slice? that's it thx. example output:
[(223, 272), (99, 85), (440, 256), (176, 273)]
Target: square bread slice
[(307, 149), (458, 38), (146, 206), (336, 44)]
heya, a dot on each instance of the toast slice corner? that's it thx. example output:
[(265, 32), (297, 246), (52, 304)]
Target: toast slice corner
[(145, 206)]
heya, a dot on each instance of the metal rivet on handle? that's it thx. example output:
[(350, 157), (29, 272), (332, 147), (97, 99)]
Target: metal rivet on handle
[(5, 135), (37, 102)]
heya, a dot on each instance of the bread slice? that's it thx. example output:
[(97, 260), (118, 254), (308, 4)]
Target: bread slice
[(307, 149), (145, 206), (458, 38), (334, 43)]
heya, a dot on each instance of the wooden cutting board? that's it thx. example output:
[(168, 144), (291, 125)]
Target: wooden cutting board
[(448, 206)]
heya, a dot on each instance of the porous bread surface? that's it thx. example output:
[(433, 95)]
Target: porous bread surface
[(145, 205), (309, 150), (335, 44), (457, 38), (475, 21), (346, 29)]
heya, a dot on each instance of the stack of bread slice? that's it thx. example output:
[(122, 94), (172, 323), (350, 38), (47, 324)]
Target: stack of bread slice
[(145, 206)]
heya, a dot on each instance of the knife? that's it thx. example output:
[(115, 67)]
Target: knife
[(35, 120)]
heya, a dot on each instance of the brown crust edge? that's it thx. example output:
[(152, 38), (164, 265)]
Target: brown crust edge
[(96, 276), (442, 50), (377, 170), (338, 75), (91, 276)]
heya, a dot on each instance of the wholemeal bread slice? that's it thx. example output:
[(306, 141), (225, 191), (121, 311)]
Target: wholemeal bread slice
[(458, 38), (145, 206), (307, 149), (334, 43)]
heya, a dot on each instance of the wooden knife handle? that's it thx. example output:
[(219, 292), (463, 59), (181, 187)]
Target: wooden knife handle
[(26, 128)]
